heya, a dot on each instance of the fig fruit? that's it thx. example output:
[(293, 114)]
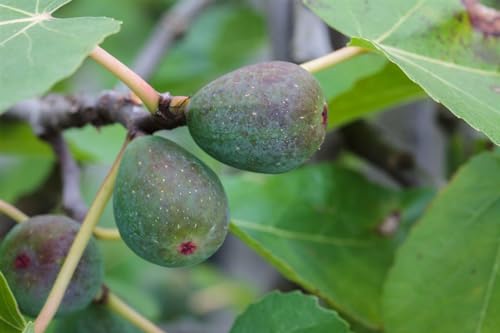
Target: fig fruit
[(97, 318), (269, 117), (170, 208), (31, 256)]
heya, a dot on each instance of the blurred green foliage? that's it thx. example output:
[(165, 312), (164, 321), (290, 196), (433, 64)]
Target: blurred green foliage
[(228, 35)]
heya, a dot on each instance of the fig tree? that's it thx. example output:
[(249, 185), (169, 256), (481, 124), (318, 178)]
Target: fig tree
[(269, 117), (170, 208), (31, 256)]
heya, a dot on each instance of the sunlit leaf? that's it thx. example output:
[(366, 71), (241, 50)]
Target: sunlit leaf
[(37, 49)]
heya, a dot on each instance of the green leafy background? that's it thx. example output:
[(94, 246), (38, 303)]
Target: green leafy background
[(319, 225)]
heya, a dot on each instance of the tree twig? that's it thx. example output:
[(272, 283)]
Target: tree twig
[(280, 22), (172, 25), (72, 199), (483, 18), (54, 113)]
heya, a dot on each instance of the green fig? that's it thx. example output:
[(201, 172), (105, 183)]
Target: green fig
[(31, 256), (97, 318), (269, 117), (170, 208)]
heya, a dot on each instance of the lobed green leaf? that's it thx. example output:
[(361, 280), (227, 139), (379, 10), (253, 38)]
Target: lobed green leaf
[(38, 50), (435, 45)]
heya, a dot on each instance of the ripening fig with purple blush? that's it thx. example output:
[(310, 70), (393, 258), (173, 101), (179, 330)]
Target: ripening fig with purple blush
[(269, 117), (31, 257)]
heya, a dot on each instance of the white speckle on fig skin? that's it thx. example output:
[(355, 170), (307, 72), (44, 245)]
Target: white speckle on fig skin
[(176, 183), (280, 93)]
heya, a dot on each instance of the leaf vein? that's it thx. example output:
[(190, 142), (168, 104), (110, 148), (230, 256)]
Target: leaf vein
[(402, 20), (320, 239), (448, 83), (356, 21), (29, 51), (489, 290), (20, 32), (441, 62), (56, 7), (21, 20), (17, 10)]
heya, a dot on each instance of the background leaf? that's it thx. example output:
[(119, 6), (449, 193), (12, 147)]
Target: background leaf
[(446, 276), (11, 320), (100, 144), (318, 227), (25, 161), (289, 313), (46, 48), (21, 174), (223, 38), (434, 43)]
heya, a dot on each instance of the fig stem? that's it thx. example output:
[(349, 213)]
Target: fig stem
[(332, 59), (106, 233), (12, 212), (120, 307), (78, 247), (147, 94), (19, 217)]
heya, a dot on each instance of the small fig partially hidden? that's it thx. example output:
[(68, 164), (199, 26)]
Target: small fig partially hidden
[(97, 318), (269, 117), (31, 256), (170, 208)]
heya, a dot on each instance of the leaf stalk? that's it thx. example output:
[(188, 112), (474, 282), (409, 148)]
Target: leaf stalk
[(332, 59), (120, 307), (147, 94), (12, 212)]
